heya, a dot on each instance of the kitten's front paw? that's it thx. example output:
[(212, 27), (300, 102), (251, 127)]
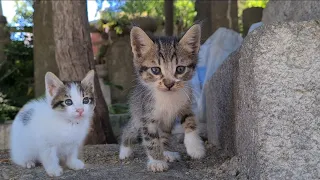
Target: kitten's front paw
[(125, 152), (157, 165), (194, 145), (30, 164), (75, 164), (54, 171), (171, 156)]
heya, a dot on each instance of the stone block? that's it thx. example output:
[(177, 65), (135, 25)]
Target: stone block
[(277, 110), (212, 54), (291, 10), (4, 135), (263, 103), (220, 96)]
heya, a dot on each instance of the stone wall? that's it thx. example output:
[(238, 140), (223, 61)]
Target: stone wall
[(268, 92), (291, 10), (220, 97), (4, 135), (212, 54)]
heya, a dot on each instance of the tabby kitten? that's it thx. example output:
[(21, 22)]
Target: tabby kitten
[(164, 67), (53, 128)]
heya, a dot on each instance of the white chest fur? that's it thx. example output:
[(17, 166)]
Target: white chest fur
[(169, 104)]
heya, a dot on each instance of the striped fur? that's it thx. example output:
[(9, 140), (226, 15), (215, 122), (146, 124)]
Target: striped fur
[(164, 66)]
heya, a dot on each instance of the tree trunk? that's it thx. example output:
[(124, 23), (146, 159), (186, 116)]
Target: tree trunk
[(216, 14), (225, 14), (168, 13), (74, 57), (4, 37), (44, 53)]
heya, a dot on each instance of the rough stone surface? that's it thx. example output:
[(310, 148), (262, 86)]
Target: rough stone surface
[(291, 10), (4, 135), (263, 102), (278, 102), (212, 54), (220, 97), (102, 163)]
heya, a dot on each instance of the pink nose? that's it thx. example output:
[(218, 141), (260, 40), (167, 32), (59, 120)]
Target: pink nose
[(80, 111)]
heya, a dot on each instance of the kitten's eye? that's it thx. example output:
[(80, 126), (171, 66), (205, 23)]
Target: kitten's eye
[(86, 100), (156, 70), (180, 69), (68, 102)]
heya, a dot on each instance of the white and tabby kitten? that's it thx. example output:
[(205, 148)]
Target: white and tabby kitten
[(53, 128), (164, 66)]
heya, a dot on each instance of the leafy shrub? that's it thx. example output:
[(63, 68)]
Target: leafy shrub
[(16, 73), (120, 18), (7, 112), (118, 109), (242, 5)]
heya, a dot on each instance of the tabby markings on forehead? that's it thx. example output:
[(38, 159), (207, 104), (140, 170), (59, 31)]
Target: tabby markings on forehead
[(77, 83), (159, 51)]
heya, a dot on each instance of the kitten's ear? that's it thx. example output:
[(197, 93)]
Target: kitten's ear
[(191, 39), (88, 80), (52, 84), (140, 42)]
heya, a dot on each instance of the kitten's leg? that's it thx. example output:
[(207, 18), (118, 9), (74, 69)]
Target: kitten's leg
[(192, 141), (72, 159), (129, 136), (169, 155), (50, 161), (22, 157), (153, 145)]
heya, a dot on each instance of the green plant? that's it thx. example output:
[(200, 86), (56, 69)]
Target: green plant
[(114, 85), (16, 73), (115, 20), (245, 4), (119, 19), (118, 108), (24, 13), (255, 3), (184, 13), (7, 111)]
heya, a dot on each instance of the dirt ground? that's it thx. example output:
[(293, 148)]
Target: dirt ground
[(102, 163)]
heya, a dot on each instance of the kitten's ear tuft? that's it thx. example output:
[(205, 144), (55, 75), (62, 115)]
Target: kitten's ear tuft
[(53, 83), (88, 80), (140, 42), (191, 39)]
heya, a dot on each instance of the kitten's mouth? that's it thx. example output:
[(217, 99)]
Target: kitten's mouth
[(167, 90), (79, 116)]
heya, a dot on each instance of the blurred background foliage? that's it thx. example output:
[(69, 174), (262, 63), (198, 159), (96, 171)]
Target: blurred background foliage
[(119, 17), (245, 4), (16, 73)]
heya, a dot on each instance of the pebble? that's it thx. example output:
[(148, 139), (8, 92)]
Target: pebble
[(5, 175)]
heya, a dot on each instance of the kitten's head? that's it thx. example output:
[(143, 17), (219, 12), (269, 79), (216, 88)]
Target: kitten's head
[(165, 63), (73, 100)]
